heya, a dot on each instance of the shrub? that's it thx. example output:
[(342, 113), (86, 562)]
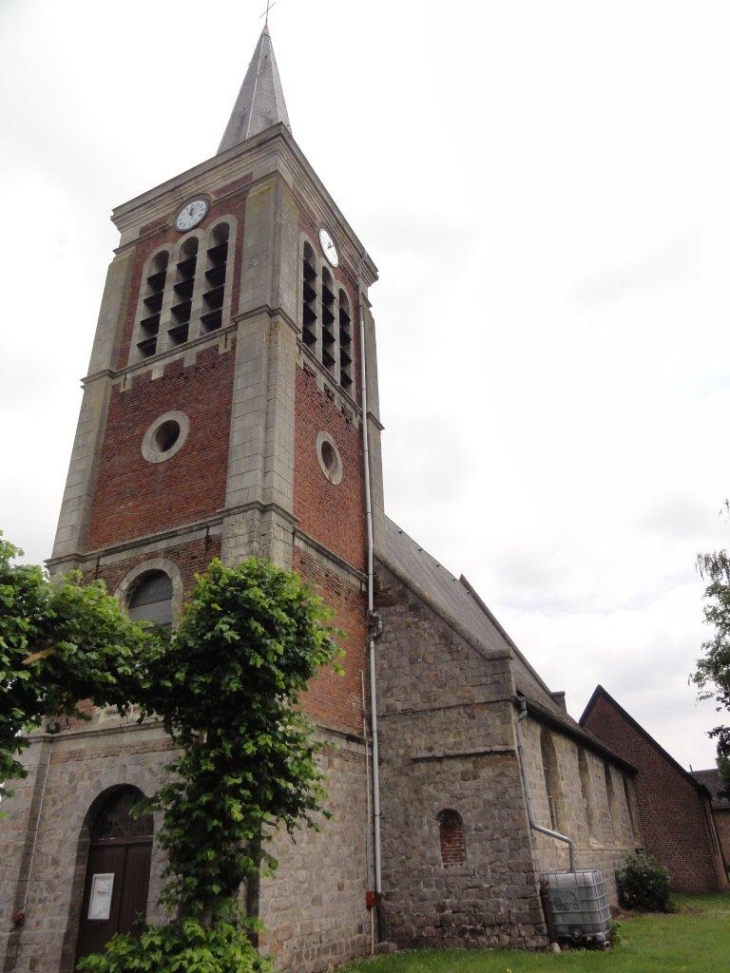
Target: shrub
[(184, 946), (643, 884)]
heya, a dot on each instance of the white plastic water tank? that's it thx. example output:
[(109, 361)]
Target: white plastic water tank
[(577, 903)]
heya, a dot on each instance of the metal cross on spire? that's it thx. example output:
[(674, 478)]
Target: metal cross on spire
[(269, 5)]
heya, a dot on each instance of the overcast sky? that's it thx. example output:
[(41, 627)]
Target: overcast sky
[(545, 188)]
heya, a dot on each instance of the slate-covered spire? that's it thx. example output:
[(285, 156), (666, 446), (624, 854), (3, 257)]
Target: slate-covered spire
[(260, 103)]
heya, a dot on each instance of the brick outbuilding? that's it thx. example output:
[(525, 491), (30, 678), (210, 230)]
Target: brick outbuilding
[(675, 809)]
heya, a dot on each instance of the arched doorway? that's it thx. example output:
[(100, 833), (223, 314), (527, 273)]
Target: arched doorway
[(117, 873)]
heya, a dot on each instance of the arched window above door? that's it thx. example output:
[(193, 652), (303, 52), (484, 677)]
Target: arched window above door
[(115, 821), (151, 598)]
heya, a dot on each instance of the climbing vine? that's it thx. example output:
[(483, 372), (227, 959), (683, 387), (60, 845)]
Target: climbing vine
[(228, 686)]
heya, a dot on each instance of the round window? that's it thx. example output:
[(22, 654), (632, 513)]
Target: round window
[(165, 437), (330, 461)]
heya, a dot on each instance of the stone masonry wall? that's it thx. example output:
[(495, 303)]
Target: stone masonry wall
[(314, 906), (602, 837), (81, 765), (447, 743)]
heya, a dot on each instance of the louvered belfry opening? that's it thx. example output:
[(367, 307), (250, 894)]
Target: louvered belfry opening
[(215, 278), (154, 290), (345, 342), (309, 298), (183, 288)]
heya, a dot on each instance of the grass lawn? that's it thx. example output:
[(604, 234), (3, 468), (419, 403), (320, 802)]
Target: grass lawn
[(695, 939)]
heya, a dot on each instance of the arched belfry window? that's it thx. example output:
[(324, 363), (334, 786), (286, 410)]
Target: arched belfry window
[(329, 334), (345, 336), (309, 298), (153, 292), (215, 278), (327, 319), (451, 837), (183, 291), (151, 598)]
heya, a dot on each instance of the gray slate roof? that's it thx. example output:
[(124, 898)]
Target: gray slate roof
[(260, 103), (456, 601), (711, 780)]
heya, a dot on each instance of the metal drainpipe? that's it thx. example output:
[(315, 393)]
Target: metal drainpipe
[(528, 792), (373, 629)]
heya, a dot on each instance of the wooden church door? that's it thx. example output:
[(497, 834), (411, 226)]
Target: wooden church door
[(117, 874)]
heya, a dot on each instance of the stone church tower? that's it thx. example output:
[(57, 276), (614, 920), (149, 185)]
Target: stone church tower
[(231, 408), (221, 417)]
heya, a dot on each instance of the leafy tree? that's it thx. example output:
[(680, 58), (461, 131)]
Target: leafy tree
[(712, 675), (227, 685), (60, 642), (228, 688)]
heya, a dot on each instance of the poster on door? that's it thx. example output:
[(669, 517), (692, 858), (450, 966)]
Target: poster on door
[(100, 900)]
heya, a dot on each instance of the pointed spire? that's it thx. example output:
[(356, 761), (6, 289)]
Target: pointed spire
[(260, 103)]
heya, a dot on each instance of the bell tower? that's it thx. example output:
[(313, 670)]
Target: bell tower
[(222, 409), (222, 416)]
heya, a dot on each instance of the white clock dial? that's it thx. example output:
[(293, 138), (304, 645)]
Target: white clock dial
[(191, 214), (328, 247)]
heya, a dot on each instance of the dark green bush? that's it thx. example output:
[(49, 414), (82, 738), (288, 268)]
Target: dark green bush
[(643, 884)]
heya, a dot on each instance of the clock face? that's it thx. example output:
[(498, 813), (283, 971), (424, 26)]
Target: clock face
[(191, 214), (328, 247)]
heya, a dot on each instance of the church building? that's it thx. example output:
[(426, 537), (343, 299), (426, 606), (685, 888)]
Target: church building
[(231, 408)]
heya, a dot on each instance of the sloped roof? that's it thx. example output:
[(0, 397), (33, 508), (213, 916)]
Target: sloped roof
[(600, 693), (711, 780), (457, 602)]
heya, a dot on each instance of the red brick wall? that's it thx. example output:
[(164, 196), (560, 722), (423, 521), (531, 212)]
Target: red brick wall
[(333, 700), (134, 497), (190, 558), (673, 814), (451, 838), (333, 515)]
